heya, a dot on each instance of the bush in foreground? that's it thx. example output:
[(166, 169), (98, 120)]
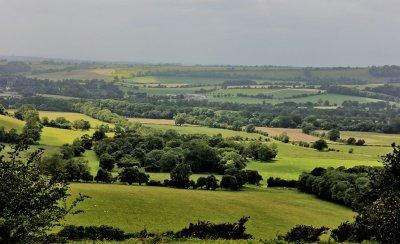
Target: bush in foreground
[(304, 233)]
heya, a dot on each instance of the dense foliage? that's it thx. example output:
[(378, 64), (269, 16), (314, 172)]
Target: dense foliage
[(30, 203)]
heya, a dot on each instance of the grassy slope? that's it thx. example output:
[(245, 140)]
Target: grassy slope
[(50, 136), (159, 209), (205, 130)]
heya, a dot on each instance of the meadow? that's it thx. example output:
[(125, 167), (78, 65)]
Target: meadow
[(158, 209)]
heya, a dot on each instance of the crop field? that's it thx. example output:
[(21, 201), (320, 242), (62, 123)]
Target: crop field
[(153, 121), (190, 129), (167, 90), (83, 74), (161, 209), (334, 99), (372, 138), (294, 134)]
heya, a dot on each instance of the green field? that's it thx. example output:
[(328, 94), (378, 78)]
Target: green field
[(188, 129), (158, 209), (50, 136)]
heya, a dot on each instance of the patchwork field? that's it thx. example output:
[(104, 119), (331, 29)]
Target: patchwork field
[(161, 209), (294, 134)]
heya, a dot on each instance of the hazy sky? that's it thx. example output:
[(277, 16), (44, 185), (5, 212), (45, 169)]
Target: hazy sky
[(276, 32)]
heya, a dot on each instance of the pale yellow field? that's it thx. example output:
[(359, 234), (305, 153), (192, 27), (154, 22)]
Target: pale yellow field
[(294, 134), (153, 121)]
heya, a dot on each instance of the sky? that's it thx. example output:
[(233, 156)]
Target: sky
[(246, 32)]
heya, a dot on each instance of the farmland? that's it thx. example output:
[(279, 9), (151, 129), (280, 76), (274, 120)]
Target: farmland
[(270, 211), (222, 115)]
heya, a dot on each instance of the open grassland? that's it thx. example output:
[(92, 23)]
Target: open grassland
[(190, 129), (153, 121), (161, 209), (71, 116), (283, 95), (293, 160), (294, 134), (173, 80), (80, 74), (50, 136), (175, 90), (372, 138)]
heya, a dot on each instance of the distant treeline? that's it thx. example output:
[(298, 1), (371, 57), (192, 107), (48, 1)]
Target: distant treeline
[(73, 88), (355, 116), (385, 92), (14, 67), (385, 71)]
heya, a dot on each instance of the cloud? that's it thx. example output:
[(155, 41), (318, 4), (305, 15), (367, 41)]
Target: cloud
[(282, 32)]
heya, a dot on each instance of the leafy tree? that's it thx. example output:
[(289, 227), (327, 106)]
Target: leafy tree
[(201, 182), (103, 176), (67, 151), (3, 110), (201, 157), (180, 119), (380, 216), (351, 141), (211, 182), (334, 135), (229, 182), (320, 145), (31, 204), (32, 128), (250, 128), (86, 141), (180, 175), (107, 161), (81, 124), (304, 233), (253, 177), (129, 175)]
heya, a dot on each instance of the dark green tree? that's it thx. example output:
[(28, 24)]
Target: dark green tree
[(31, 204)]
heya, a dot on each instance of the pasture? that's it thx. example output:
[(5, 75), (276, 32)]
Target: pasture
[(50, 136), (161, 209), (294, 134)]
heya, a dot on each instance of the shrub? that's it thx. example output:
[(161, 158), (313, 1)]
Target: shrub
[(229, 182), (351, 150), (304, 233), (207, 230), (360, 142), (154, 183), (103, 232), (343, 232), (278, 182), (103, 176), (211, 182), (320, 145), (253, 177), (201, 182)]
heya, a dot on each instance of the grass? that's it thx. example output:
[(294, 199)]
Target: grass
[(294, 134), (332, 98), (187, 129), (71, 116), (372, 138), (158, 209), (153, 121), (50, 136)]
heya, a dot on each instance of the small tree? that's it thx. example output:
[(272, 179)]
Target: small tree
[(107, 161), (304, 233), (334, 135), (320, 145), (201, 182), (250, 128), (253, 177), (211, 182), (103, 176), (31, 204), (180, 119), (229, 182), (180, 175)]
